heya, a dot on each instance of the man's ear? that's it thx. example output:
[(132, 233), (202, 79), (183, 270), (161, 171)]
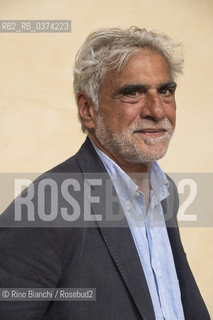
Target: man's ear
[(86, 110)]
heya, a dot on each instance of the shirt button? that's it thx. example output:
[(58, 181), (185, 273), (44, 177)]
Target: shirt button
[(127, 202)]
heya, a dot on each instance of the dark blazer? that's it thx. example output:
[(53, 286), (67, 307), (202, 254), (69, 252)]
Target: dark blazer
[(98, 257)]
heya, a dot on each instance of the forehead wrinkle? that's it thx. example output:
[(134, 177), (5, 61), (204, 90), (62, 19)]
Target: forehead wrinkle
[(112, 81)]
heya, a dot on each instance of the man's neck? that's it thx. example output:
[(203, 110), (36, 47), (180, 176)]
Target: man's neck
[(138, 172)]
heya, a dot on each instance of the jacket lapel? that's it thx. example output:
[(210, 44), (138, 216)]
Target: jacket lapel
[(122, 248), (118, 239)]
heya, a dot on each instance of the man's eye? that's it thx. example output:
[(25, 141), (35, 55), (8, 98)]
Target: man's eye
[(132, 93), (166, 92)]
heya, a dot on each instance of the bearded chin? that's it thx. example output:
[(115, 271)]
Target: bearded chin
[(124, 145), (153, 149)]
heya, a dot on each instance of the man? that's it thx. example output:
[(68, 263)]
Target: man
[(125, 91)]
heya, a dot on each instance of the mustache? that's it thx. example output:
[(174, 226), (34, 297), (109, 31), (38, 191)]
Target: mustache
[(146, 124)]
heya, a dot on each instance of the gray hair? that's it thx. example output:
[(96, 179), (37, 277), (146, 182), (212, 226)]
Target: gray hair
[(111, 48)]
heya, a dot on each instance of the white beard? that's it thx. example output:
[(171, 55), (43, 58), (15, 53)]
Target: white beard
[(125, 144)]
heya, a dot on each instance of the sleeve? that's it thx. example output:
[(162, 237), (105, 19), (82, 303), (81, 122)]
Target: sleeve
[(29, 258)]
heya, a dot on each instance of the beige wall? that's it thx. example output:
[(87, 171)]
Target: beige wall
[(38, 122)]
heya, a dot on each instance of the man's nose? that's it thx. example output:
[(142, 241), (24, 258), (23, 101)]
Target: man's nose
[(153, 106)]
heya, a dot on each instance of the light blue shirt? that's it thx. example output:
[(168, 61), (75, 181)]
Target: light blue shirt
[(150, 236)]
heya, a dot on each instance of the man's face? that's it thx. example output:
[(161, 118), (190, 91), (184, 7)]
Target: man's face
[(136, 116)]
